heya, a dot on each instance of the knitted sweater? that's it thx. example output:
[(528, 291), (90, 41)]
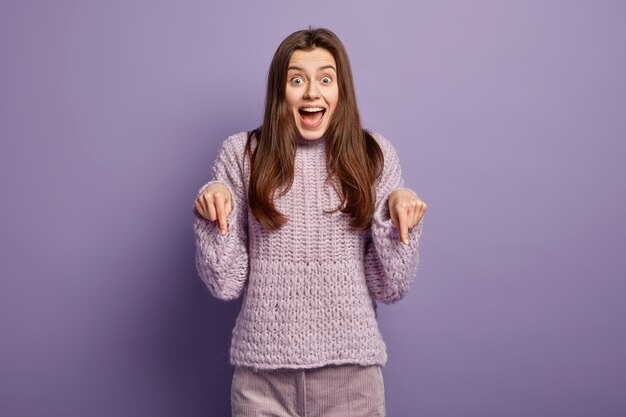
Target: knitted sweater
[(309, 287)]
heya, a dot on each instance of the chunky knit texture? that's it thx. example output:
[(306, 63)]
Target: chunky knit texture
[(309, 287)]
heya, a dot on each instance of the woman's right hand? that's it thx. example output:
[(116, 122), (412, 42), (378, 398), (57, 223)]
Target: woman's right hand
[(215, 204)]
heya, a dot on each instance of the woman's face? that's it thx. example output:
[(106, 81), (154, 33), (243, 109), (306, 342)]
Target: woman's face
[(312, 90)]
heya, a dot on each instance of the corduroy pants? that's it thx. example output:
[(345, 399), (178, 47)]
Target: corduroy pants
[(330, 391)]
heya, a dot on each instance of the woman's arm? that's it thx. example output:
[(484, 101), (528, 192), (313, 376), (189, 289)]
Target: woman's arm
[(222, 259), (391, 264)]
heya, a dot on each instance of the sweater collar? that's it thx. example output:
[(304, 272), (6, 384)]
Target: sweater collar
[(300, 141)]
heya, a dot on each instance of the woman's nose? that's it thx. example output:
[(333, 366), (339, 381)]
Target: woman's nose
[(311, 92)]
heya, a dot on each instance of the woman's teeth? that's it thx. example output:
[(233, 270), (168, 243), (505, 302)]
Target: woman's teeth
[(311, 117)]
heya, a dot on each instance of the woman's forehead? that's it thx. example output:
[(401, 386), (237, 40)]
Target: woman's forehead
[(314, 58)]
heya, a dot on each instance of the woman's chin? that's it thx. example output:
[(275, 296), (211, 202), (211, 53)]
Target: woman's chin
[(311, 137), (311, 134)]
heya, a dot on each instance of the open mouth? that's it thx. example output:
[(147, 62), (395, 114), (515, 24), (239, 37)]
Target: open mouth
[(311, 117)]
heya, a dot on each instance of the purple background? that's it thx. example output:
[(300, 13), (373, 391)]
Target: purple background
[(509, 117)]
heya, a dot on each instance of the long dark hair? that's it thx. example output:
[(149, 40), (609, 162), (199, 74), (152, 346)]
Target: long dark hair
[(354, 159)]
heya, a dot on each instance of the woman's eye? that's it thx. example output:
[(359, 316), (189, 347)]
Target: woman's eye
[(296, 80), (326, 80)]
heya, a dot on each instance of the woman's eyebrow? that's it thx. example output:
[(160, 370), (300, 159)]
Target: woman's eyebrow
[(320, 68)]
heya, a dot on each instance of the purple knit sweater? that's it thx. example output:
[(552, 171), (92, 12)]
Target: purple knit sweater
[(308, 287)]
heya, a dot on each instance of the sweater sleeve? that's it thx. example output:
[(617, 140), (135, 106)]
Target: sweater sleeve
[(222, 261), (390, 265)]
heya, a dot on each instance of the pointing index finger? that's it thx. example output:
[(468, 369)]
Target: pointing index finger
[(402, 225), (221, 213)]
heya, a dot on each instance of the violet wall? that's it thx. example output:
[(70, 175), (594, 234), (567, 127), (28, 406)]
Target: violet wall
[(509, 117)]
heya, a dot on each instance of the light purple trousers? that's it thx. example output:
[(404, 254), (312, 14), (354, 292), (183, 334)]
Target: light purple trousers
[(330, 391)]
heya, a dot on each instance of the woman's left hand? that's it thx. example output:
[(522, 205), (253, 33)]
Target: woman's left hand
[(405, 210)]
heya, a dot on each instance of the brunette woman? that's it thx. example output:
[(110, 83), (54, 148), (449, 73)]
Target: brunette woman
[(308, 218)]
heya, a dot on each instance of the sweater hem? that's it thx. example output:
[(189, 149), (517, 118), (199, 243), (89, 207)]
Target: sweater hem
[(267, 366)]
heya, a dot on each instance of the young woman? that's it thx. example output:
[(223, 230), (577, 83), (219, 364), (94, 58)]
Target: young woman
[(307, 217)]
